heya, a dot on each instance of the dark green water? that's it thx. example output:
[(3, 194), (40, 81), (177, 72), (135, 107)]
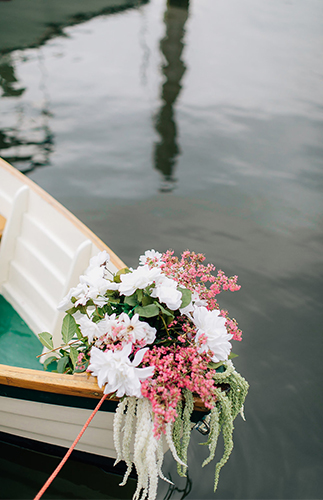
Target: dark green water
[(195, 125)]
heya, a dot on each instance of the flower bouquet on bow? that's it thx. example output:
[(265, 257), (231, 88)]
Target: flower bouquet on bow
[(156, 338)]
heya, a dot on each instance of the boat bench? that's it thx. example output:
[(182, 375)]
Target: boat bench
[(43, 251)]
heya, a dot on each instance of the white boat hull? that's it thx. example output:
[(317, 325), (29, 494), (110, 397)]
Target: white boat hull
[(57, 425)]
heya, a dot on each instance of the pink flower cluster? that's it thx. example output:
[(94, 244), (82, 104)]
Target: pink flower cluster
[(176, 368), (190, 273)]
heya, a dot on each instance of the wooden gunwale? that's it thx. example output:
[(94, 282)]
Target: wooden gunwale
[(2, 225), (79, 384)]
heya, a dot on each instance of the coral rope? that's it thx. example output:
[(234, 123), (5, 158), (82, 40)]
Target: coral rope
[(65, 458)]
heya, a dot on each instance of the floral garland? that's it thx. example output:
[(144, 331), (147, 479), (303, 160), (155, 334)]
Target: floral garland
[(156, 338)]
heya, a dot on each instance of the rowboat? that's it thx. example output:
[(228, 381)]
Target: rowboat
[(43, 251)]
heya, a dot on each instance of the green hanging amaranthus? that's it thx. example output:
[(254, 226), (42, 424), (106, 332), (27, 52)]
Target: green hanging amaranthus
[(220, 419)]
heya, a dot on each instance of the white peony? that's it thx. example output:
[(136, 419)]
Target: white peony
[(166, 291), (211, 324), (120, 375), (138, 279)]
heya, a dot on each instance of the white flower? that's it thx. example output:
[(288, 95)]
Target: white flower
[(101, 259), (120, 375), (79, 292), (138, 279), (97, 285), (92, 286), (211, 325), (149, 257), (139, 330), (90, 329), (166, 291), (125, 329)]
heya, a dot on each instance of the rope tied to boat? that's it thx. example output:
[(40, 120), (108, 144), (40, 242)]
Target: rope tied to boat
[(67, 455)]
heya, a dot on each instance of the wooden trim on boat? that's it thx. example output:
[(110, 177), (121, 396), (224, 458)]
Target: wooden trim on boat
[(79, 384), (2, 224), (60, 208)]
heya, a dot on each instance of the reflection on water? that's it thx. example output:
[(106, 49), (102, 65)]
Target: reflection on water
[(174, 491), (29, 141), (8, 79), (171, 46), (31, 24)]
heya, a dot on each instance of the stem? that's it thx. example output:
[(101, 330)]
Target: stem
[(96, 308), (165, 325), (57, 348), (108, 270)]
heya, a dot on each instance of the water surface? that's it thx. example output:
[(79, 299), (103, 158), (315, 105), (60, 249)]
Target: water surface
[(199, 125)]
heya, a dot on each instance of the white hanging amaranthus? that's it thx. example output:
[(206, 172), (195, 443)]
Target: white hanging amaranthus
[(148, 451)]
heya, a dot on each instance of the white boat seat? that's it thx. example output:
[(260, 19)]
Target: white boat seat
[(37, 268), (43, 251)]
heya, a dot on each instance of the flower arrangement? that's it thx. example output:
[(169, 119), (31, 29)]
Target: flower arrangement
[(156, 338)]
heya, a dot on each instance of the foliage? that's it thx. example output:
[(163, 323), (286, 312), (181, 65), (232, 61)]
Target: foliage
[(155, 337)]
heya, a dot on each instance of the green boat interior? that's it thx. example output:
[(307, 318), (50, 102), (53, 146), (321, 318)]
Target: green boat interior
[(19, 346)]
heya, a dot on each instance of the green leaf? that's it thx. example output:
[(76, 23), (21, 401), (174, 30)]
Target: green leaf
[(214, 366), (72, 310), (115, 302), (69, 328), (116, 278), (165, 311), (124, 270), (96, 316), (73, 355), (186, 296), (48, 361), (46, 339), (79, 334), (62, 363), (147, 311), (139, 294), (131, 300), (146, 300)]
